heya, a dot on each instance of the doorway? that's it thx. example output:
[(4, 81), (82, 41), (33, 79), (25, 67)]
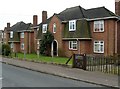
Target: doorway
[(54, 48)]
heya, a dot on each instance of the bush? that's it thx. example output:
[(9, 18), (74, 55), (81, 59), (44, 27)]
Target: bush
[(6, 50), (46, 42)]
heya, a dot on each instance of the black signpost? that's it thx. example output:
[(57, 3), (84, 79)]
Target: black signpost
[(79, 61)]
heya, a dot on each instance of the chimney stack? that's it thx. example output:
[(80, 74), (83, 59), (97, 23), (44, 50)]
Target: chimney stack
[(117, 7), (35, 20), (8, 25), (44, 16)]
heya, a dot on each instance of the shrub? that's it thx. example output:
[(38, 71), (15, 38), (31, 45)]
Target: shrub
[(6, 50), (45, 42)]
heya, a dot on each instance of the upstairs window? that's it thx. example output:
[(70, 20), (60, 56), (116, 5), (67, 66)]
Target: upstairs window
[(44, 28), (73, 45), (98, 46), (72, 25), (54, 28), (22, 35), (99, 26), (11, 34)]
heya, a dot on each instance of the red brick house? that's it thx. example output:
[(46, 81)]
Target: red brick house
[(1, 36), (20, 37), (78, 30)]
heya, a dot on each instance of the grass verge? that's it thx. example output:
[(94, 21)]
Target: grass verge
[(41, 58)]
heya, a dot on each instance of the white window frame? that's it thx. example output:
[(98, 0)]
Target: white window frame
[(22, 35), (99, 26), (72, 25), (100, 45), (11, 45), (44, 28), (72, 44), (54, 28), (38, 44), (4, 35), (11, 34), (38, 29), (22, 46)]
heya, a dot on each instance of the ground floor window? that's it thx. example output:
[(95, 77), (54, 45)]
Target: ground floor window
[(98, 46), (22, 46), (11, 45), (38, 44), (73, 45)]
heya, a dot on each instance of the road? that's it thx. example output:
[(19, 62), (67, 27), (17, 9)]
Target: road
[(19, 77)]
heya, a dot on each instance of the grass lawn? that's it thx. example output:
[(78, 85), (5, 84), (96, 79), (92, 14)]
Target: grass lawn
[(58, 60)]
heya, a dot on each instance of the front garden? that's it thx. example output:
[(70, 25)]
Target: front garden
[(41, 58)]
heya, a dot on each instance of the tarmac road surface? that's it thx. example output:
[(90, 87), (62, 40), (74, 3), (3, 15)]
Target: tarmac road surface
[(19, 77)]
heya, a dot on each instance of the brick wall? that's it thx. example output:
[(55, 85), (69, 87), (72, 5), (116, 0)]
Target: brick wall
[(31, 42), (35, 42), (83, 47), (26, 42), (17, 47), (108, 36), (118, 38), (58, 34)]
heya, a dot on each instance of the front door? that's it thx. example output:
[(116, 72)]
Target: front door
[(54, 48)]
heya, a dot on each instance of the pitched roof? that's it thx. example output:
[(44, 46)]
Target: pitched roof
[(79, 13), (20, 26), (99, 12), (72, 13), (82, 30)]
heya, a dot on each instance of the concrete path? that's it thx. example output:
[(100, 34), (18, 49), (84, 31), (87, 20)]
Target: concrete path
[(67, 72)]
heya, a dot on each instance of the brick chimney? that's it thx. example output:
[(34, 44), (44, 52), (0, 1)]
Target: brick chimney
[(117, 7), (44, 16), (35, 20), (8, 25)]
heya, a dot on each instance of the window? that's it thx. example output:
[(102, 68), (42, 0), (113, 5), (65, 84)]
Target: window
[(54, 28), (38, 44), (44, 28), (99, 26), (22, 35), (11, 45), (38, 29), (22, 46), (73, 45), (72, 25), (99, 46), (11, 34), (4, 35)]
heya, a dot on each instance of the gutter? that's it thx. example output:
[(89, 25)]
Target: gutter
[(26, 31), (13, 41), (77, 38), (104, 18)]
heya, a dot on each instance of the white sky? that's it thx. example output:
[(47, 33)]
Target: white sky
[(14, 11)]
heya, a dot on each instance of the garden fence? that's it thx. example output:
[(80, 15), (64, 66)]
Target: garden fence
[(104, 64)]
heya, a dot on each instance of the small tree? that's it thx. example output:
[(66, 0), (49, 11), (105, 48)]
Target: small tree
[(45, 42), (6, 50)]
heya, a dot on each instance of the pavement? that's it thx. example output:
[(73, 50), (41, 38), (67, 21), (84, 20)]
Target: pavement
[(95, 77)]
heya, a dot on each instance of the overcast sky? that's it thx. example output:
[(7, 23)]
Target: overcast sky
[(14, 11)]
